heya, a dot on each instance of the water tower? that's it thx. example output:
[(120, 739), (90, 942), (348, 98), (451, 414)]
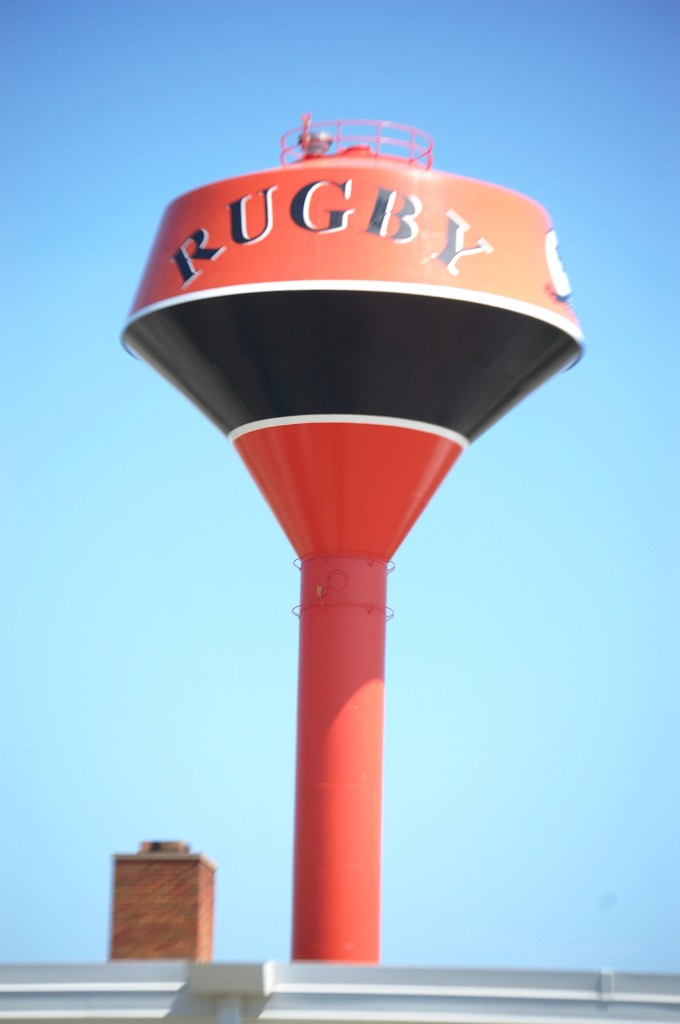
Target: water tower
[(351, 320)]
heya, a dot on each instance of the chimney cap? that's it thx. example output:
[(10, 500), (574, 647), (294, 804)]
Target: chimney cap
[(164, 846)]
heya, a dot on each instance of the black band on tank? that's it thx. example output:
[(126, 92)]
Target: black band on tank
[(260, 355)]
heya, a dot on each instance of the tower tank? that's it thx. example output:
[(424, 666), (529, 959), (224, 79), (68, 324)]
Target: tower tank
[(351, 319)]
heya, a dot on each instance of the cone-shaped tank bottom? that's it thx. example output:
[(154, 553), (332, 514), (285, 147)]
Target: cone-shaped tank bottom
[(350, 484)]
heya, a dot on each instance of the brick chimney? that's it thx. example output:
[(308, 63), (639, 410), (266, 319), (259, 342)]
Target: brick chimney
[(163, 898)]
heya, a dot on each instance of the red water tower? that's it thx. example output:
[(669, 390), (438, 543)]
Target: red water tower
[(351, 320)]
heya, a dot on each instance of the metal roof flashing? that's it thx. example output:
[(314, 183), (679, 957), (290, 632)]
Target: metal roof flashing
[(245, 993)]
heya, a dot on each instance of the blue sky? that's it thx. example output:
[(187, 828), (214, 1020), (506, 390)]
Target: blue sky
[(149, 655)]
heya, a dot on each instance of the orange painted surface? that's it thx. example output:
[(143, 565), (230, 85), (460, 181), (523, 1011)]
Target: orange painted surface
[(338, 810), (351, 487), (513, 225)]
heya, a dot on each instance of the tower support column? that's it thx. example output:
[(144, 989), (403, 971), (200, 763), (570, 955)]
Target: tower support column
[(338, 809)]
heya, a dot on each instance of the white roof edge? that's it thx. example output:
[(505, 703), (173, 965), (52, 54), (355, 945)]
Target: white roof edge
[(179, 991), (315, 976), (125, 971)]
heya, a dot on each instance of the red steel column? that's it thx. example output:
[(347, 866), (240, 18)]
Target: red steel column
[(338, 808)]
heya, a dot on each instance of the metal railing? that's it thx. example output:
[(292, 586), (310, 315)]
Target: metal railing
[(336, 138)]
